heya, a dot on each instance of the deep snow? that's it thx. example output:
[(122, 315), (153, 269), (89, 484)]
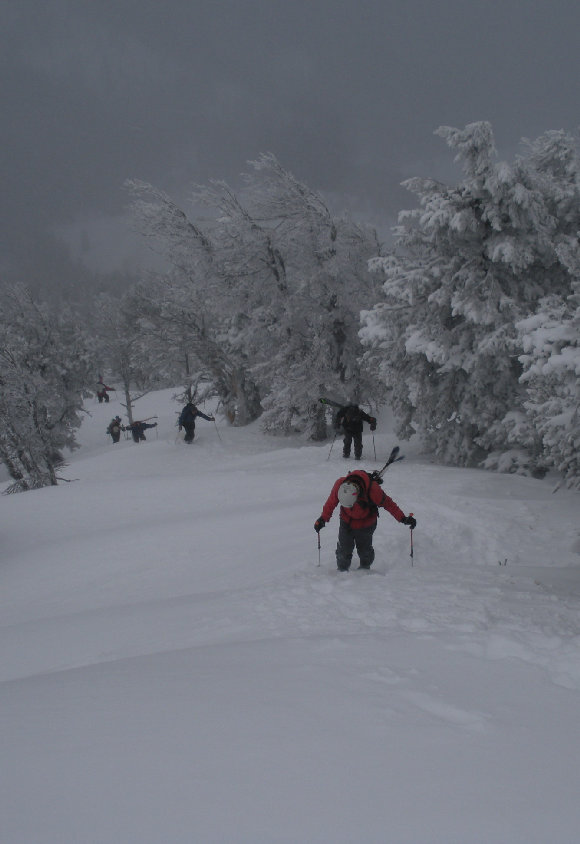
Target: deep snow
[(176, 667)]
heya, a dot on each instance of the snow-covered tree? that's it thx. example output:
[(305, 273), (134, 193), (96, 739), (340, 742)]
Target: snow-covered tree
[(196, 348), (191, 307), (122, 341), (299, 278), (468, 264), (551, 361), (270, 287), (45, 368), (318, 349)]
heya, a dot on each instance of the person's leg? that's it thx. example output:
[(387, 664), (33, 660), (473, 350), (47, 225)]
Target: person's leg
[(363, 538), (357, 437), (346, 444), (344, 547)]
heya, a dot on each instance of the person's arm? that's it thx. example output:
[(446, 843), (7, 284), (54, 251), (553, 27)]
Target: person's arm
[(331, 502), (329, 507), (381, 499), (370, 419)]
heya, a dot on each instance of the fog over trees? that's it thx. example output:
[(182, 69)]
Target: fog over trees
[(467, 327)]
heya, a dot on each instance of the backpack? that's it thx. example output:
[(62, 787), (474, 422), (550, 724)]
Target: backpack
[(188, 414), (363, 500), (351, 414)]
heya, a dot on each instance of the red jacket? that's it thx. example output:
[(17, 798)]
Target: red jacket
[(361, 515)]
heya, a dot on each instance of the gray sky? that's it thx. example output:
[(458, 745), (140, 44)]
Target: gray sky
[(346, 94)]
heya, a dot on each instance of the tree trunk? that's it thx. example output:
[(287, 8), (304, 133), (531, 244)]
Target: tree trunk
[(318, 427)]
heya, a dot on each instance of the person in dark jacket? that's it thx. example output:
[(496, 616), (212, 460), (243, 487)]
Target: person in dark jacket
[(187, 419), (350, 419), (138, 430), (114, 429), (360, 496)]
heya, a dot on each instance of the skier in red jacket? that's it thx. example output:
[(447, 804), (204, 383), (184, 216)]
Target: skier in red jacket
[(103, 391), (360, 497)]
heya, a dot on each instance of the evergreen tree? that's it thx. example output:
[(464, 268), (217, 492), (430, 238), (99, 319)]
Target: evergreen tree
[(551, 337), (551, 342), (468, 264)]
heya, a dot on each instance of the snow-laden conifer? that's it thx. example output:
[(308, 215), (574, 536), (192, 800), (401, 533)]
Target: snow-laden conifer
[(469, 263), (551, 359)]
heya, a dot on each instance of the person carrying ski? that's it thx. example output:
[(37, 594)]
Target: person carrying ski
[(360, 496), (103, 390), (187, 419), (138, 430), (114, 429), (350, 419)]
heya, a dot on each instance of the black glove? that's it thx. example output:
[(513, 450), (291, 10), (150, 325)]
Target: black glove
[(373, 424), (319, 524), (409, 520)]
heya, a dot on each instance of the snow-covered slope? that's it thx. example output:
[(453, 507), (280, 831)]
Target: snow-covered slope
[(176, 666)]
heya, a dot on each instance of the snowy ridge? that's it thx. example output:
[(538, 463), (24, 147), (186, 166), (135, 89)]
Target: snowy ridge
[(168, 636)]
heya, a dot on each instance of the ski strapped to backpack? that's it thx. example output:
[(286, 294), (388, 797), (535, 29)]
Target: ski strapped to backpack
[(376, 476), (331, 403), (394, 457), (363, 499)]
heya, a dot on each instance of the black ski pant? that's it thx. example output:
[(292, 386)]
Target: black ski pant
[(189, 433), (352, 437), (348, 539)]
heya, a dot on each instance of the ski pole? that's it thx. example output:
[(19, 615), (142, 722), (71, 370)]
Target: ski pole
[(318, 534), (374, 449), (411, 554), (217, 432), (332, 445)]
